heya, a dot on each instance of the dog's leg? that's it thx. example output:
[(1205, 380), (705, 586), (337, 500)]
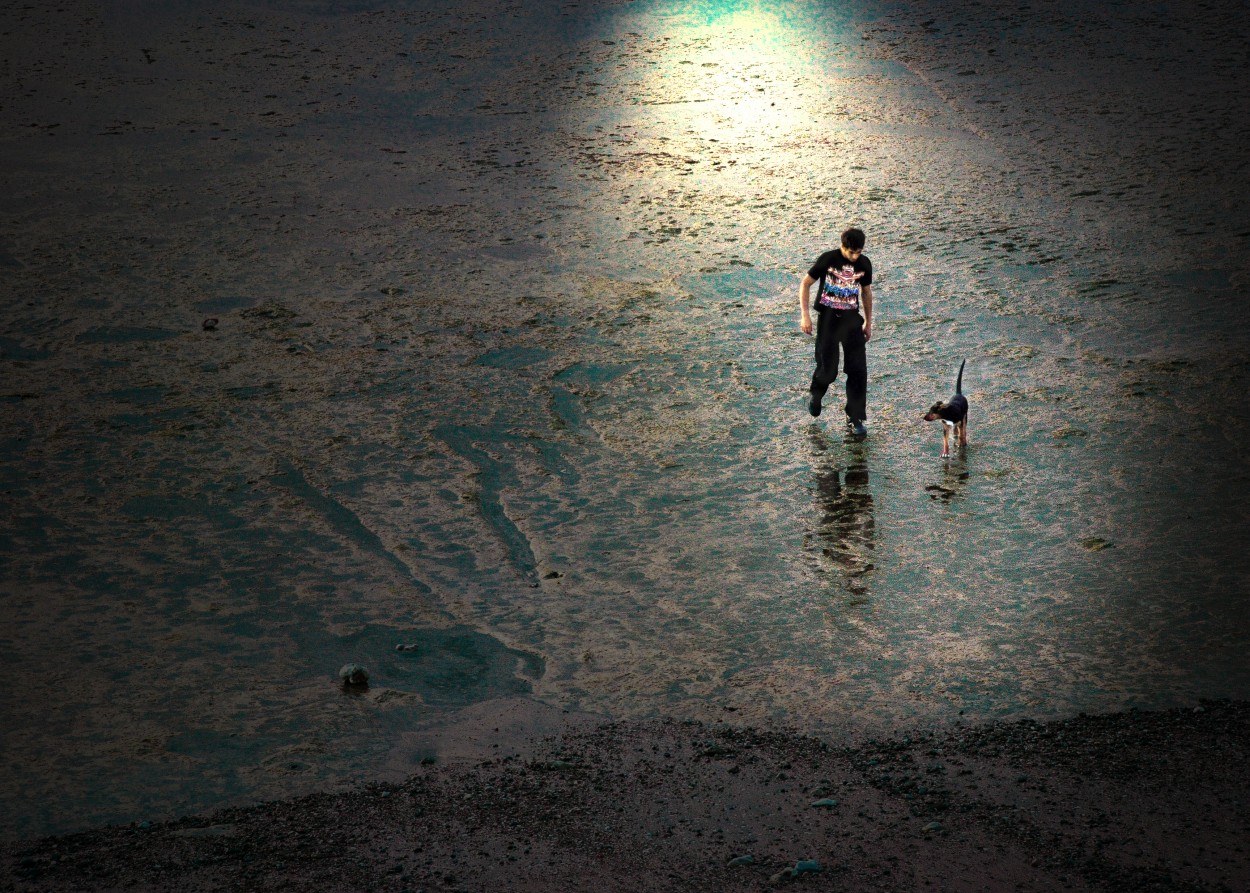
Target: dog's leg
[(946, 440), (963, 433)]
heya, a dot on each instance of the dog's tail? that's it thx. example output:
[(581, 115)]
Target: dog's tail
[(959, 382)]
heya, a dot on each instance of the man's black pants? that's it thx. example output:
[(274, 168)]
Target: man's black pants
[(844, 328)]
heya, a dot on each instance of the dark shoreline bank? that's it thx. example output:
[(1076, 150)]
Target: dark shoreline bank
[(1126, 801)]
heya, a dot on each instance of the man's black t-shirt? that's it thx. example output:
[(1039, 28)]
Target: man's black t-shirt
[(840, 280)]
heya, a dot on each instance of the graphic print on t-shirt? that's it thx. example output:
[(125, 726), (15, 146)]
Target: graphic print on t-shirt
[(841, 288)]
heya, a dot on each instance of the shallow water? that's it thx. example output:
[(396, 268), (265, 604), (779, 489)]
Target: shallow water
[(508, 368)]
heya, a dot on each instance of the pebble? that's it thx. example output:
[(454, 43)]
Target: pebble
[(742, 860), (802, 867), (933, 827), (405, 647), (354, 674), (825, 803)]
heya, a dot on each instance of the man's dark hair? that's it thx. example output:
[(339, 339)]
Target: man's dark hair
[(854, 239)]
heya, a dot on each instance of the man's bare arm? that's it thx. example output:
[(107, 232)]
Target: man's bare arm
[(805, 319), (865, 295)]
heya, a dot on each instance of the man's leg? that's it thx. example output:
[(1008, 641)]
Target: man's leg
[(826, 359), (851, 334)]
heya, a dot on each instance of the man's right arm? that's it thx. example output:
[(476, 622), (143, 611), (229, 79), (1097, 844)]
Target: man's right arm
[(805, 287)]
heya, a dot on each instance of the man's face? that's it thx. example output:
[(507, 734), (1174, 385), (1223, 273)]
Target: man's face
[(851, 253)]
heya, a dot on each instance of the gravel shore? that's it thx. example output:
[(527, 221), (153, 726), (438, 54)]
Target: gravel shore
[(1129, 801)]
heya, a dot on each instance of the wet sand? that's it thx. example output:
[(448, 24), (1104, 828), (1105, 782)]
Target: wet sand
[(1129, 802), (504, 369)]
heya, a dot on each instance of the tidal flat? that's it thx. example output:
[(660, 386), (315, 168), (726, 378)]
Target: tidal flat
[(505, 366)]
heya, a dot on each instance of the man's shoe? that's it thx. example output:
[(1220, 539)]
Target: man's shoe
[(813, 405), (859, 429)]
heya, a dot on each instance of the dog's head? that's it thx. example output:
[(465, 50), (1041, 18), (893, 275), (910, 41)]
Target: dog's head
[(935, 412)]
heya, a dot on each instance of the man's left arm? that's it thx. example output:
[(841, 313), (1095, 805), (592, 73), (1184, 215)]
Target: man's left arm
[(865, 296)]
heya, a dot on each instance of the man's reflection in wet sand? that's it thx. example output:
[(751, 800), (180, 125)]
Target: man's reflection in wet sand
[(845, 532)]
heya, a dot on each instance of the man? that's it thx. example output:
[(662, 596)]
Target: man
[(845, 277)]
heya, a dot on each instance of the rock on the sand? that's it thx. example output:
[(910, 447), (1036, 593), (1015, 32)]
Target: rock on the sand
[(802, 867)]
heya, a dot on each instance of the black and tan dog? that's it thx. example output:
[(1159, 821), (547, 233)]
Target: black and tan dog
[(953, 414)]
